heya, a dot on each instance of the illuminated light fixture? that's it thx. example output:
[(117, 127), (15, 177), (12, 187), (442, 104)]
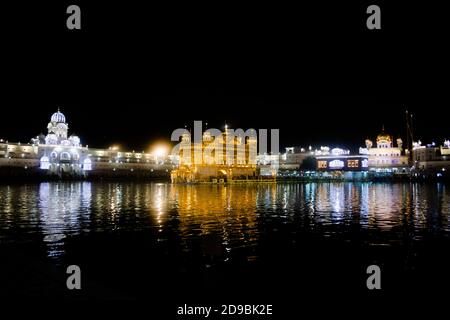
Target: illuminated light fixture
[(339, 151), (336, 164), (160, 151), (365, 163)]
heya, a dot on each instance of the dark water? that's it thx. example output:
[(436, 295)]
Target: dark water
[(204, 241)]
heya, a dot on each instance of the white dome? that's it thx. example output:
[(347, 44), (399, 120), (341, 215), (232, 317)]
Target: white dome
[(75, 140), (51, 139), (66, 143), (52, 136), (58, 117)]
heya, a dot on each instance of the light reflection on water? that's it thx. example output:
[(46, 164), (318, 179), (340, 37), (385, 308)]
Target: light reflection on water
[(223, 218)]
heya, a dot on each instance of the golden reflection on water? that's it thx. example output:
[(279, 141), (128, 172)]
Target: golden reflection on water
[(224, 218)]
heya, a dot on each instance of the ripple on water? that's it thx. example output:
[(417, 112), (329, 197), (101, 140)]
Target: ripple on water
[(238, 217)]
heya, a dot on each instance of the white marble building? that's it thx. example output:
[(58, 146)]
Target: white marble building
[(385, 157), (61, 154)]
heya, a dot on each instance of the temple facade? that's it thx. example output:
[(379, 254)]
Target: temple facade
[(384, 157), (59, 154), (56, 153), (223, 158)]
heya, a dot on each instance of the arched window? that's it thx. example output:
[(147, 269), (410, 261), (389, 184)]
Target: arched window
[(336, 164), (54, 155), (65, 156), (45, 163), (87, 164)]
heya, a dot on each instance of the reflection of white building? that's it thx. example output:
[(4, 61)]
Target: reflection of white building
[(63, 210), (385, 157)]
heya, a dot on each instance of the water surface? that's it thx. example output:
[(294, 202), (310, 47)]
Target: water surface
[(210, 236)]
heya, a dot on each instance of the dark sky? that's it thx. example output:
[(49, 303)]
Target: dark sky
[(134, 73), (334, 120)]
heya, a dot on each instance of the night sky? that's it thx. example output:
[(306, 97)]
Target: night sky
[(134, 73)]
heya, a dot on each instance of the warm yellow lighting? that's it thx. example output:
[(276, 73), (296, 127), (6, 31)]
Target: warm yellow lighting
[(114, 148), (160, 151)]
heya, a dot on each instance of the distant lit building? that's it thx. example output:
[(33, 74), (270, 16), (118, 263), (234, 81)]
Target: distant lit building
[(218, 159), (293, 158), (268, 164), (338, 159), (431, 159), (61, 154), (56, 152), (287, 164), (3, 148), (385, 157)]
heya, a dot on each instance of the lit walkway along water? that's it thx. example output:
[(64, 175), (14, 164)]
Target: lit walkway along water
[(203, 226)]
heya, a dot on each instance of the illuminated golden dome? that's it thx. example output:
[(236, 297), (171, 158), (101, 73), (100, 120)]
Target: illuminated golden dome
[(383, 136)]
